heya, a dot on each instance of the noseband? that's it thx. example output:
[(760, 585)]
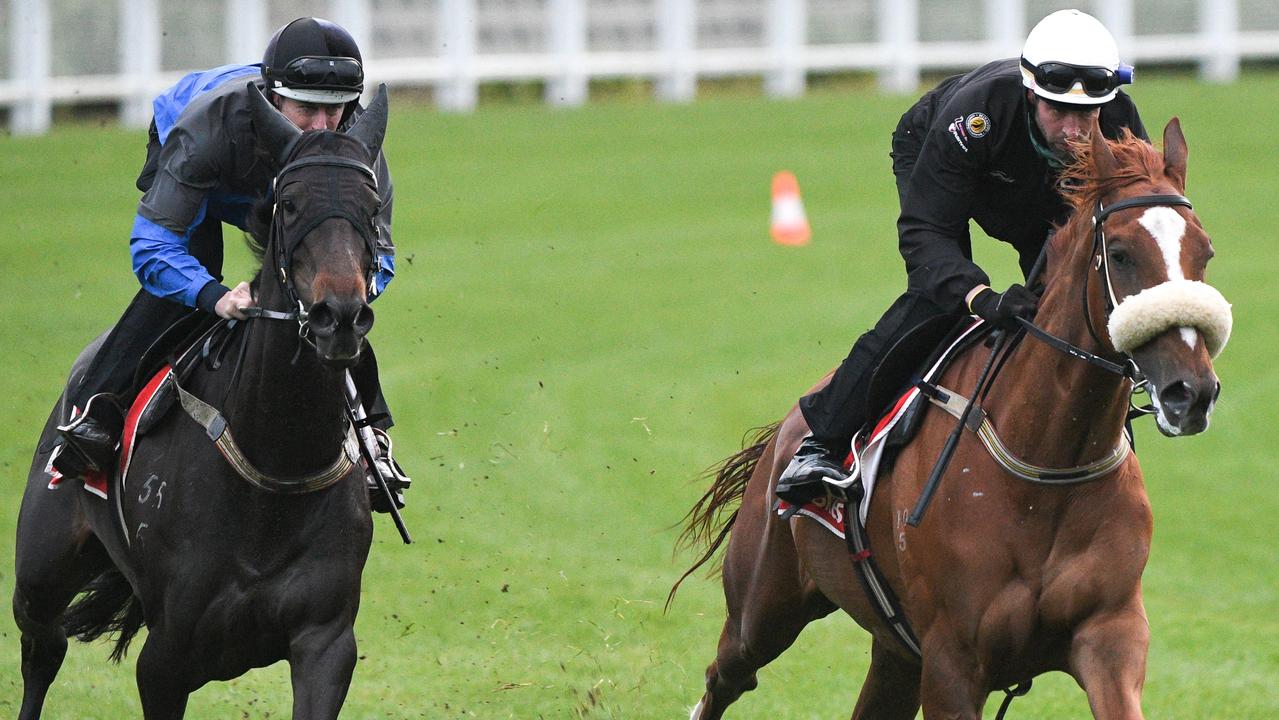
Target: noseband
[(1100, 253), (1128, 368)]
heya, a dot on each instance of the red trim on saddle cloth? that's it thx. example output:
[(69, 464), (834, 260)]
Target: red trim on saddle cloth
[(890, 417), (824, 510), (830, 512), (129, 437)]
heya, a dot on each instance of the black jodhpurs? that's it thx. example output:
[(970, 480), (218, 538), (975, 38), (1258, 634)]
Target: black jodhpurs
[(838, 410)]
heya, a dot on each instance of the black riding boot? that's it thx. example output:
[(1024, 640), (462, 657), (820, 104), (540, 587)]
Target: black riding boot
[(91, 440), (815, 462)]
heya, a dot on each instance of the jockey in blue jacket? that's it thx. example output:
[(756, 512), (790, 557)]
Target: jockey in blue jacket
[(204, 168)]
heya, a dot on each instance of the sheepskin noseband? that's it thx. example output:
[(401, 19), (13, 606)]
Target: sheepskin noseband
[(1175, 303)]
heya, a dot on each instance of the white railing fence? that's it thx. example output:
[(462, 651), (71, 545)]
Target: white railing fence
[(452, 46)]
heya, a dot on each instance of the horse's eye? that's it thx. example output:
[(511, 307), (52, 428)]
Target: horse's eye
[(1118, 256), (288, 205)]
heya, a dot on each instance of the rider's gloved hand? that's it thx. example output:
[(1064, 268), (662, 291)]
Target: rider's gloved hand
[(1003, 309)]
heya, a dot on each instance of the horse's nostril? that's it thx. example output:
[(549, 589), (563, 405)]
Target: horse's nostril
[(364, 319), (1216, 391), (322, 318), (1177, 397)]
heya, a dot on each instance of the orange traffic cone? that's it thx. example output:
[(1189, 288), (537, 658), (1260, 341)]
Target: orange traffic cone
[(789, 223)]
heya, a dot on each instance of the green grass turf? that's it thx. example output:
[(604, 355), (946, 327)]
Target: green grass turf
[(588, 312)]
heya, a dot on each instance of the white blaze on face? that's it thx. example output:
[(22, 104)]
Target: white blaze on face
[(1168, 228)]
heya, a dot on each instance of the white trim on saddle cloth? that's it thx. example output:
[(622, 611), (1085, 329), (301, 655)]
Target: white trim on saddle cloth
[(826, 510), (866, 458), (95, 481)]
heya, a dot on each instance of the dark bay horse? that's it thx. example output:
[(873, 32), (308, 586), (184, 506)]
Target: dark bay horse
[(1006, 578), (232, 568)]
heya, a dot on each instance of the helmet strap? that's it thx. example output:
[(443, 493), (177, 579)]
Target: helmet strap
[(1037, 140)]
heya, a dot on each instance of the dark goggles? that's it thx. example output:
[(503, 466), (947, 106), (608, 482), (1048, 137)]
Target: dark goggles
[(1056, 77), (320, 73)]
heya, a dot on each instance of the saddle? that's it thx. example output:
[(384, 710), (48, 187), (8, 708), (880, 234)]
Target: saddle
[(196, 339), (928, 344)]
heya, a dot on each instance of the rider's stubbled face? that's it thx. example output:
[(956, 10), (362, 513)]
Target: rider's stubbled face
[(1060, 123)]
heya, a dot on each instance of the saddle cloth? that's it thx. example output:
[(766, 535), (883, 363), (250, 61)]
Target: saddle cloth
[(868, 449), (151, 404)]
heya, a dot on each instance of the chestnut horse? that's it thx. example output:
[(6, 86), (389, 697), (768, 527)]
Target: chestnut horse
[(1006, 578)]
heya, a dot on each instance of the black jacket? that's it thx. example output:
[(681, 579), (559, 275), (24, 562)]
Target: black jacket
[(965, 151)]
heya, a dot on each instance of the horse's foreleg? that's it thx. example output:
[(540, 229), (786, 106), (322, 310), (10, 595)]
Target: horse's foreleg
[(767, 608), (321, 665), (951, 685), (1108, 659), (891, 690)]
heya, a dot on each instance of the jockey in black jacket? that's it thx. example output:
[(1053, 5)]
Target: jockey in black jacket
[(204, 168), (986, 146)]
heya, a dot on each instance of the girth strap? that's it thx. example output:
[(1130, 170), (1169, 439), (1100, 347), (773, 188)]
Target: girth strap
[(953, 403), (215, 425)]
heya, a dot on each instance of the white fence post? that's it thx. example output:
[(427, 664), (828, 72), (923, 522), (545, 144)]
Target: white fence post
[(246, 31), (566, 30), (1117, 16), (898, 37), (30, 48), (459, 91), (1006, 26), (1219, 29), (676, 36), (139, 59), (357, 18), (787, 31)]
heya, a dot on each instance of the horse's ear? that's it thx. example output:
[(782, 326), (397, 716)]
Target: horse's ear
[(370, 127), (275, 133), (1103, 160), (1175, 154)]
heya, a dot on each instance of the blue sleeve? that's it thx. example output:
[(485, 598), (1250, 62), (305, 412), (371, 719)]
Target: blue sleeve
[(165, 268), (384, 274)]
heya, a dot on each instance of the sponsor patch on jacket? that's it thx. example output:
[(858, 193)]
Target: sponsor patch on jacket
[(957, 131), (978, 124)]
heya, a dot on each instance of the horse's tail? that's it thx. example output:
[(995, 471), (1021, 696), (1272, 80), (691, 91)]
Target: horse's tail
[(107, 605), (705, 525)]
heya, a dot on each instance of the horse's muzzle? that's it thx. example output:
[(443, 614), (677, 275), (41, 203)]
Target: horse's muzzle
[(1185, 405), (339, 327)]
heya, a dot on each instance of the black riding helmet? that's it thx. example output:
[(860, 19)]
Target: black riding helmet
[(313, 60)]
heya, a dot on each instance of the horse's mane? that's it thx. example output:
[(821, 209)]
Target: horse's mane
[(1082, 184), (257, 228)]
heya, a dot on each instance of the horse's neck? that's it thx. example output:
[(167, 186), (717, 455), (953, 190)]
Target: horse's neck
[(1052, 409), (288, 417)]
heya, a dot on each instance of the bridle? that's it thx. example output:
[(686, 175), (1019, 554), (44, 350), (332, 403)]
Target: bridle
[(210, 418), (283, 251), (1128, 368)]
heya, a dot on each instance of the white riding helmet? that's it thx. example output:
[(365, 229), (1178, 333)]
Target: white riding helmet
[(1070, 57)]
